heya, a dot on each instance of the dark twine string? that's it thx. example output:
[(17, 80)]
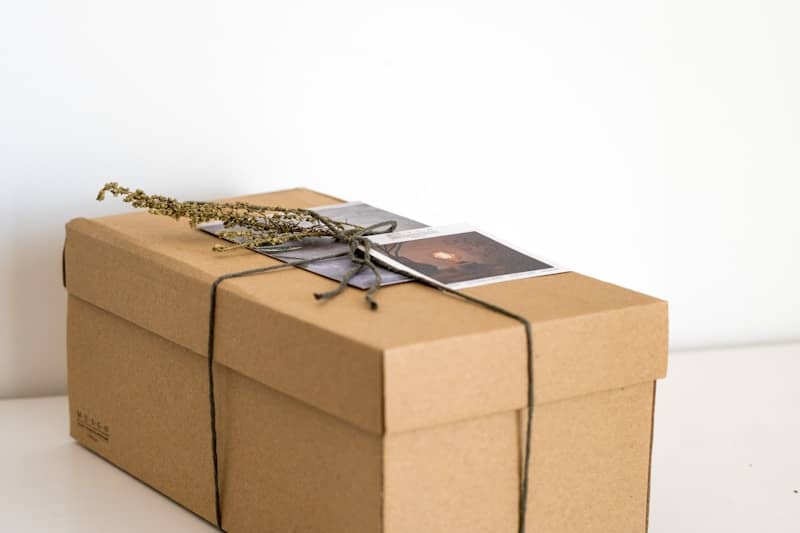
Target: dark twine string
[(357, 240)]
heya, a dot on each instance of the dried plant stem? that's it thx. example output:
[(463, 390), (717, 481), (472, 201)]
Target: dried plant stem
[(249, 225)]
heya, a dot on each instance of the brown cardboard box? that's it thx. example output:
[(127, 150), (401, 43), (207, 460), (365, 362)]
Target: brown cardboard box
[(333, 418)]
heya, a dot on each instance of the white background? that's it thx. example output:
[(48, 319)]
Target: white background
[(651, 144)]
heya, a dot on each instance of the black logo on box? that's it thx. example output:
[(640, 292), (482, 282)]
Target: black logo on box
[(96, 429)]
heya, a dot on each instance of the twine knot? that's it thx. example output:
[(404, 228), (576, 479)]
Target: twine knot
[(358, 241)]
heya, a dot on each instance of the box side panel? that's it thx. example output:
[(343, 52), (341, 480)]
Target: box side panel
[(589, 474), (171, 299), (141, 402), (290, 467), (148, 397)]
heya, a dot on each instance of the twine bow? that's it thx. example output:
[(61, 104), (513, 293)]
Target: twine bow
[(358, 239)]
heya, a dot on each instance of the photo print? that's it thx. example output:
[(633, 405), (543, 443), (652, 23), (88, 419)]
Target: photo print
[(458, 256)]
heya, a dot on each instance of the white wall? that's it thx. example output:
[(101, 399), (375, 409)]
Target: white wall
[(652, 144)]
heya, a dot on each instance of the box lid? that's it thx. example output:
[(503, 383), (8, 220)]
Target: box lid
[(424, 358)]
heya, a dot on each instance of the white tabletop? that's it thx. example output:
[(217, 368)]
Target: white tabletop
[(726, 457)]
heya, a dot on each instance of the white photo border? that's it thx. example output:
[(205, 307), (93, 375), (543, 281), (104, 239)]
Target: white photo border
[(455, 229)]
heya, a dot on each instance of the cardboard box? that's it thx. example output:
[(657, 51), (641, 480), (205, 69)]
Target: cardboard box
[(334, 418)]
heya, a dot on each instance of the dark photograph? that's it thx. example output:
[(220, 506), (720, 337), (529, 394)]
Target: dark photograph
[(461, 258)]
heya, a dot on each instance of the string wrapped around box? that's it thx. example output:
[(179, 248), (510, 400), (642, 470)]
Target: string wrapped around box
[(258, 227)]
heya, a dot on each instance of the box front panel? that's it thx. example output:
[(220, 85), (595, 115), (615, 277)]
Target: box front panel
[(589, 472), (141, 402)]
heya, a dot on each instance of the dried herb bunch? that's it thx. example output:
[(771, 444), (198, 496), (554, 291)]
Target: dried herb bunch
[(249, 225)]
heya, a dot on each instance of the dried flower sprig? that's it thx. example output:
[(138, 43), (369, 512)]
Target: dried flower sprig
[(249, 225)]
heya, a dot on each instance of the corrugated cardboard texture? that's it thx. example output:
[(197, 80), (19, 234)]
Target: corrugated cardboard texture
[(287, 466), (589, 470), (423, 359)]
